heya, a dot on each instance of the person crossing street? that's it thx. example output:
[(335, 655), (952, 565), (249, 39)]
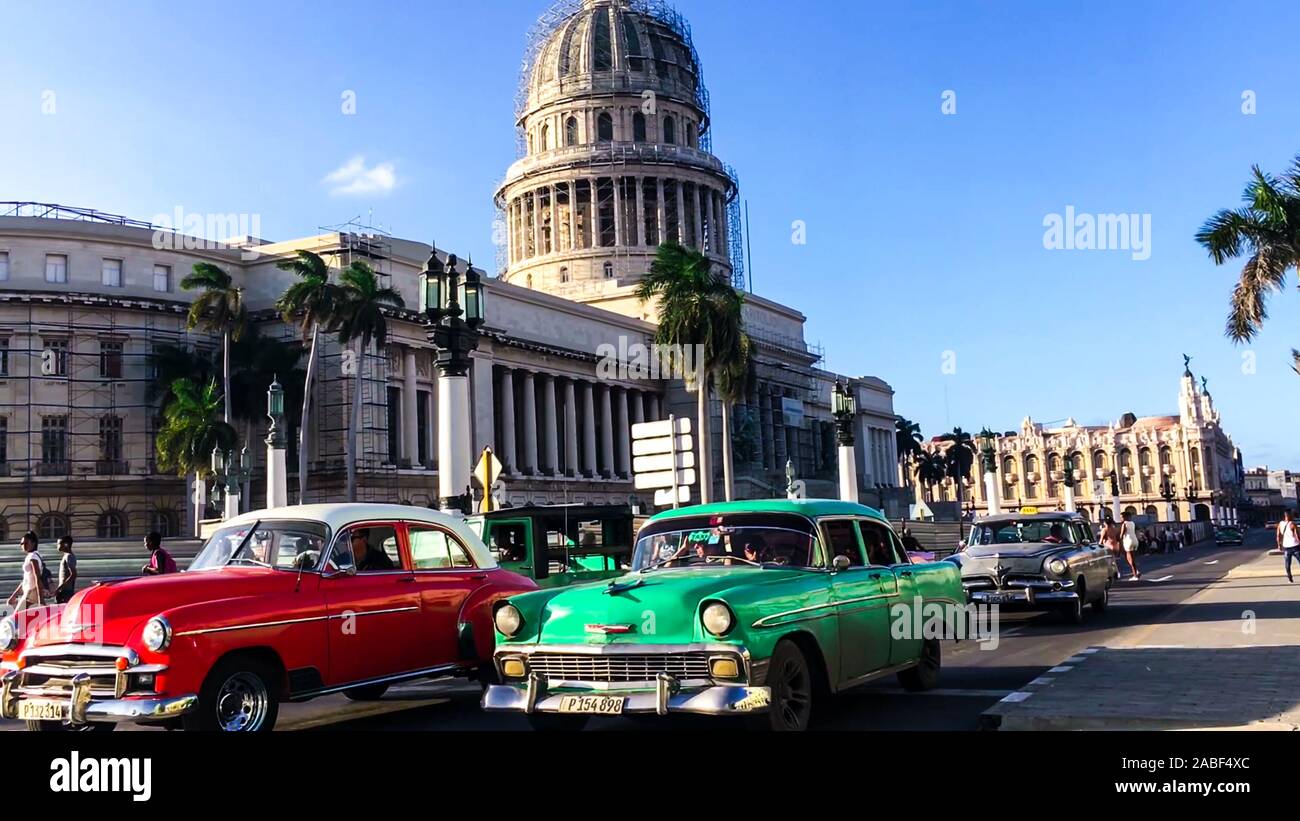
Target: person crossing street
[(1288, 540)]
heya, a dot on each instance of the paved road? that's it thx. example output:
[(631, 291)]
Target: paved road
[(973, 678)]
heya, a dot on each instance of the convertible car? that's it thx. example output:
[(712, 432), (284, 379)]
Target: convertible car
[(280, 605), (756, 609)]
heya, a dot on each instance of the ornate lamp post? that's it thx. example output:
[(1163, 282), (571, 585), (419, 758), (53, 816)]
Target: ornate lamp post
[(230, 475), (989, 465), (453, 308), (844, 409), (1168, 493), (1190, 495), (277, 477)]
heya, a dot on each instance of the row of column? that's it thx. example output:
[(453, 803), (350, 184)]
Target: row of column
[(578, 428), (556, 218)]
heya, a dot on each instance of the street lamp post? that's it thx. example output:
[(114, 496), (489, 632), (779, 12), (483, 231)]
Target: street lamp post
[(1191, 502), (277, 476), (1168, 493), (230, 475), (989, 465), (844, 409), (453, 309)]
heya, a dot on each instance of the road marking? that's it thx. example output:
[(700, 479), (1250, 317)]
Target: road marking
[(1017, 696), (1073, 660), (1216, 561), (1089, 651), (1162, 579), (1042, 680), (1064, 668)]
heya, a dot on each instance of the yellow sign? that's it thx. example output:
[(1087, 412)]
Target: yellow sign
[(487, 471), (1028, 511)]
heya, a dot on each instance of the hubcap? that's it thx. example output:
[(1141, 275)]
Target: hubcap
[(793, 694), (242, 703)]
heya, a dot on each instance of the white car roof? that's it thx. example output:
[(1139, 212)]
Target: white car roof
[(336, 516)]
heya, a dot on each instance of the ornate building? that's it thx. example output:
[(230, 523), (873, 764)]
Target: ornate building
[(1181, 467)]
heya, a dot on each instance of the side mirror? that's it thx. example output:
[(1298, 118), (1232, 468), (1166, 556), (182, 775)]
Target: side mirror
[(840, 563)]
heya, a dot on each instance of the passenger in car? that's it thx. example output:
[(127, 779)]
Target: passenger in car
[(368, 558)]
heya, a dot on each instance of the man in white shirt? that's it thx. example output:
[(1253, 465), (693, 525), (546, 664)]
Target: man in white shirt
[(30, 590), (1288, 540)]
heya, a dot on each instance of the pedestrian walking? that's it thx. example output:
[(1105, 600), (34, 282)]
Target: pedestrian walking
[(67, 571), (1288, 539), (1129, 541), (1162, 539), (34, 589), (160, 561), (1110, 537)]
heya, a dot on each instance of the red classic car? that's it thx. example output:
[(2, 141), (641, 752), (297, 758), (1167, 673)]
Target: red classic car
[(280, 605)]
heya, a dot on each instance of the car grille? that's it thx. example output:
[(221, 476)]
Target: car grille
[(619, 668), (51, 676), (1014, 580)]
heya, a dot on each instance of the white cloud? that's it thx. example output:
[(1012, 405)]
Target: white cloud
[(354, 178)]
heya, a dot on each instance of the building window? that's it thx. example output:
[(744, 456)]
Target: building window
[(165, 522), (112, 273), (609, 270), (54, 441), (422, 423), (604, 52), (670, 131), (546, 137), (4, 444), (605, 128), (56, 268), (1125, 466), (394, 424), (638, 127), (564, 274), (111, 525), (692, 134), (110, 359), (110, 439), (162, 279), (4, 356), (571, 131), (54, 357), (52, 526), (4, 265)]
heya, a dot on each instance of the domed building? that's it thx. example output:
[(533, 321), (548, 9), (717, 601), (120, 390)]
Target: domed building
[(613, 122)]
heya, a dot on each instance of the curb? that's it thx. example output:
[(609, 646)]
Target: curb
[(995, 719)]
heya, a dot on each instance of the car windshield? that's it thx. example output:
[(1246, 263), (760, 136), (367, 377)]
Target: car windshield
[(266, 544), (1020, 532), (711, 541)]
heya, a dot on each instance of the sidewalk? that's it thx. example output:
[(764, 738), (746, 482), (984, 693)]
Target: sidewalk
[(1226, 658)]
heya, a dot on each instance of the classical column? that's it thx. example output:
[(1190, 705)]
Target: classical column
[(680, 197), (620, 231), (537, 221), (410, 426), (607, 431), (699, 220), (595, 214), (589, 428), (638, 407), (507, 453), (624, 436), (656, 407), (661, 212), (549, 446), (722, 222), (555, 219), (640, 211), (573, 214), (570, 430), (529, 403)]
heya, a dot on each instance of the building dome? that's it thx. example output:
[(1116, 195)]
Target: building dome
[(586, 46)]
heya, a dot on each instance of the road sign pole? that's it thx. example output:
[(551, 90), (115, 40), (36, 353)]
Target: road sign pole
[(672, 426)]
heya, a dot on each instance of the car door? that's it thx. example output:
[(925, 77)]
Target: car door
[(1098, 559), (905, 604), (511, 542), (445, 576), (373, 614), (861, 593)]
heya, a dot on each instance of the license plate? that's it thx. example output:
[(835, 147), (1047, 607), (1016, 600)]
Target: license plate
[(42, 710), (997, 598), (601, 705)]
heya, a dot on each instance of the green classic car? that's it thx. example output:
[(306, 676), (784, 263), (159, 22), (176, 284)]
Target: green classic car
[(743, 608), (557, 545)]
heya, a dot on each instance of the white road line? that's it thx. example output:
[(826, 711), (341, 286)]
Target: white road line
[(1017, 696), (1089, 650), (1073, 660), (1042, 680), (1161, 579), (1064, 668), (1216, 561)]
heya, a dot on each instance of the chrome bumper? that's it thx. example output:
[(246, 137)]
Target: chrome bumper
[(533, 696), (1021, 595), (83, 709)]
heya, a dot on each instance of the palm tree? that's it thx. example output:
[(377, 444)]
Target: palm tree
[(735, 379), (311, 303), (1267, 228), (697, 308), (219, 308), (192, 428), (958, 459), (256, 361), (907, 441), (931, 467), (361, 321), (173, 362)]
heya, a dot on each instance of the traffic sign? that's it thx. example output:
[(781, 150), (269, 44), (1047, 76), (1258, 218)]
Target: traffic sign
[(662, 444), (664, 478), (664, 427), (488, 471), (665, 497), (663, 461)]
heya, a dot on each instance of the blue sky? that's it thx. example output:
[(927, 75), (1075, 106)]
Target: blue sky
[(924, 229)]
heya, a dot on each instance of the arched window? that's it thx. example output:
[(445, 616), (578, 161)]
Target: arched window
[(604, 52), (531, 148), (692, 134), (571, 131), (51, 526), (165, 522), (1151, 511), (1125, 468), (111, 525), (609, 270), (1098, 464), (638, 127), (1032, 476), (1009, 477), (605, 128), (546, 137), (670, 131), (564, 275), (1078, 471), (1145, 469), (1053, 467)]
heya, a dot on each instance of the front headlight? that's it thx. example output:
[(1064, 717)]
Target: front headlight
[(157, 634), (718, 619), (8, 634), (508, 620), (1057, 567)]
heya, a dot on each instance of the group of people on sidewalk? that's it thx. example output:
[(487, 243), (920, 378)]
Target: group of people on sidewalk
[(39, 587)]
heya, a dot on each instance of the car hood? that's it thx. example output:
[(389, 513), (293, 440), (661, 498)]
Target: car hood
[(985, 560), (656, 607), (1023, 550), (110, 612)]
